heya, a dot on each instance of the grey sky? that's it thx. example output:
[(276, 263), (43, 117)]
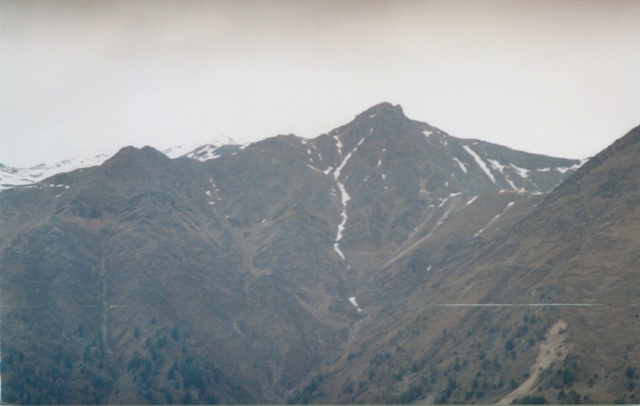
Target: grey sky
[(81, 78)]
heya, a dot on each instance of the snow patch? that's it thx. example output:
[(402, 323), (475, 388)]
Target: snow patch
[(461, 165), (480, 162), (513, 186), (497, 165), (473, 199), (448, 197), (204, 153), (352, 300), (521, 171), (575, 167), (344, 197), (338, 144), (11, 177), (427, 133), (181, 150)]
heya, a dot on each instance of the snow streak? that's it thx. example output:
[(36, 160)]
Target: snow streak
[(480, 162), (493, 220), (572, 168), (338, 144), (344, 196), (461, 165)]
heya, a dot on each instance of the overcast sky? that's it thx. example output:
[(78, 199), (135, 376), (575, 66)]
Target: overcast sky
[(81, 78)]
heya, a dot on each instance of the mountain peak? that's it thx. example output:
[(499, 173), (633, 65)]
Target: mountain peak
[(131, 151), (137, 156), (383, 109)]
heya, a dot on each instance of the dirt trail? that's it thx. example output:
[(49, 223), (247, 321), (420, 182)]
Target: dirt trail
[(552, 349)]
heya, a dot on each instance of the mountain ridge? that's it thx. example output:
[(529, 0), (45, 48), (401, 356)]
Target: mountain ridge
[(23, 177), (287, 269), (13, 176)]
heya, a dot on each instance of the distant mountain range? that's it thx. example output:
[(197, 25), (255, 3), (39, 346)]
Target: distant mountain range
[(12, 176), (382, 262)]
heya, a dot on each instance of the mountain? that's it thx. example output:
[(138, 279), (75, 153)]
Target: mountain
[(287, 270), (544, 311), (14, 177), (215, 148)]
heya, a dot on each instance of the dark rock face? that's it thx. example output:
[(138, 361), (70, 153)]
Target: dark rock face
[(228, 280)]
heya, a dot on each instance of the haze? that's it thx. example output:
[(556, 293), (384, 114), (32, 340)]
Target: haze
[(88, 77)]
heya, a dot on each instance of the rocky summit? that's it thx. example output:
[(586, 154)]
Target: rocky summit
[(385, 261)]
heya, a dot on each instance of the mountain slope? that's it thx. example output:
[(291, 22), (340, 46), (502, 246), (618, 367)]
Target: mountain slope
[(558, 315), (398, 179), (236, 279), (149, 256)]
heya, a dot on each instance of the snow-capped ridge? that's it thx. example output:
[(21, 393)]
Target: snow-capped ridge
[(188, 148), (209, 152), (14, 177), (11, 177)]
